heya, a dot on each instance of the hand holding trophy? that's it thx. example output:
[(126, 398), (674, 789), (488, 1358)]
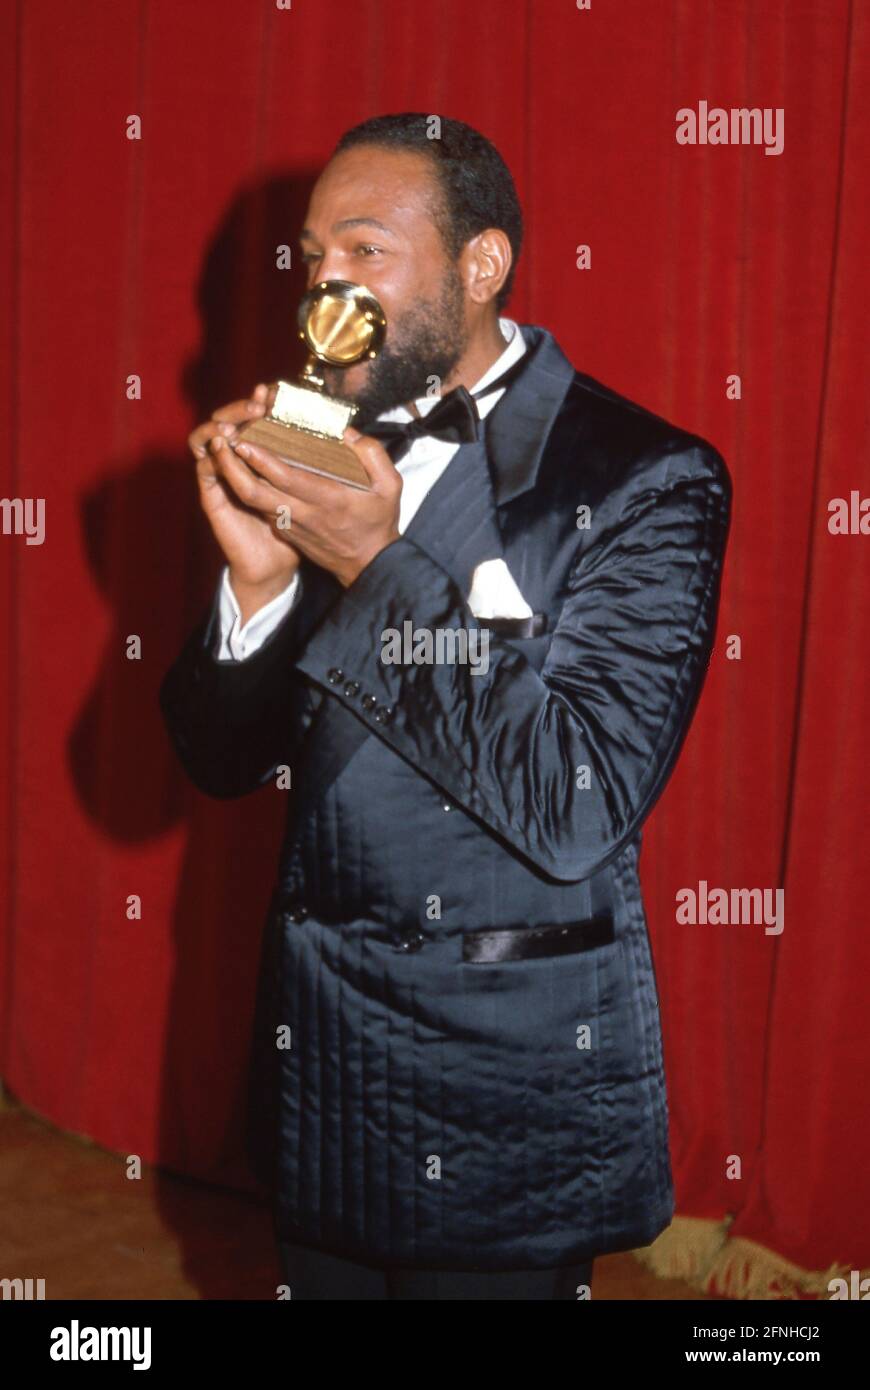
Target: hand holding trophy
[(341, 324)]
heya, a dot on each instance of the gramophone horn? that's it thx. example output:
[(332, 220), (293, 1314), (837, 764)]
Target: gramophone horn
[(341, 323)]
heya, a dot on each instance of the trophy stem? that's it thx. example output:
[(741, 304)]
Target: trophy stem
[(309, 373)]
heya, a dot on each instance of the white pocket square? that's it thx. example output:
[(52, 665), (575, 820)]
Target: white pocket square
[(494, 593)]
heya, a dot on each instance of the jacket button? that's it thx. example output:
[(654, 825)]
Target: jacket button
[(369, 701), (335, 675), (383, 714), (412, 942), (351, 688), (446, 806)]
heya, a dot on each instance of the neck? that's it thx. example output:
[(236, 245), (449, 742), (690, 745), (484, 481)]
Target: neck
[(485, 346)]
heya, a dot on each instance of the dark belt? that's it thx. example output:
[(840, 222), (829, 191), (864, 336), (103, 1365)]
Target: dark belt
[(530, 943)]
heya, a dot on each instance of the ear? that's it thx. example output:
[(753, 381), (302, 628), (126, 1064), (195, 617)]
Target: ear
[(485, 262)]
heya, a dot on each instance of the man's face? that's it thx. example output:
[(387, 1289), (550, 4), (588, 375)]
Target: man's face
[(371, 221)]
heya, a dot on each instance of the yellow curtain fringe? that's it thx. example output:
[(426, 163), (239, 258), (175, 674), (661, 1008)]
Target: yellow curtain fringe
[(699, 1251)]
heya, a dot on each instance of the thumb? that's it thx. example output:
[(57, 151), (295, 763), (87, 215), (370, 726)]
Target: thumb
[(381, 470)]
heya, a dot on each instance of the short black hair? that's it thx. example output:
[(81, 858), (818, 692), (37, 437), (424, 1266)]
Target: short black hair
[(477, 186)]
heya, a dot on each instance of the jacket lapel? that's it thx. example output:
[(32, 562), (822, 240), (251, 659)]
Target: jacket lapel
[(518, 427), (456, 522)]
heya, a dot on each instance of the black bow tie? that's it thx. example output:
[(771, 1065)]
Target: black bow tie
[(454, 419)]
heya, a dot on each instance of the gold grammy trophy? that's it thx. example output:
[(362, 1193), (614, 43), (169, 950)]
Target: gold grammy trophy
[(340, 324)]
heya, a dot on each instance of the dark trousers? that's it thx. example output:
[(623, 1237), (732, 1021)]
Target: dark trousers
[(314, 1274)]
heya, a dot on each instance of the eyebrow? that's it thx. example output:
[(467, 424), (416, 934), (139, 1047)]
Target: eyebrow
[(348, 222)]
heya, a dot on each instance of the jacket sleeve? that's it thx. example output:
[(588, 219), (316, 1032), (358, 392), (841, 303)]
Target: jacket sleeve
[(232, 723), (616, 692)]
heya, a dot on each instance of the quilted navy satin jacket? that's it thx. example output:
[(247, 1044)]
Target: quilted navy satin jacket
[(457, 1058)]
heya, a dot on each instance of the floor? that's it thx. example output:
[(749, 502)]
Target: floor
[(70, 1217)]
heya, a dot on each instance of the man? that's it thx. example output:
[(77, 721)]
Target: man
[(458, 1087)]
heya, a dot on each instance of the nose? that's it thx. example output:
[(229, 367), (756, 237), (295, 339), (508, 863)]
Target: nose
[(327, 268)]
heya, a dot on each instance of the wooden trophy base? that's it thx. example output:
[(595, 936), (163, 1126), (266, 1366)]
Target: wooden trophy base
[(329, 458)]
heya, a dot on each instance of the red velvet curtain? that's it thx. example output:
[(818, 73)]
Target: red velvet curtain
[(155, 258)]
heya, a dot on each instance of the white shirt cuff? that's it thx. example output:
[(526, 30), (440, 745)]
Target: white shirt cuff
[(237, 641)]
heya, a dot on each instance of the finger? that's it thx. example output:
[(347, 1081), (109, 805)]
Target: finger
[(219, 493), (226, 418), (253, 491), (265, 462), (198, 439), (382, 472), (201, 437), (297, 482), (305, 519), (205, 469), (214, 492)]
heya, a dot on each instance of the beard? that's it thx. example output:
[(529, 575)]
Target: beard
[(427, 341)]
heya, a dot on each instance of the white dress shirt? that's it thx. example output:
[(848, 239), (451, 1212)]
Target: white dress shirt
[(421, 467)]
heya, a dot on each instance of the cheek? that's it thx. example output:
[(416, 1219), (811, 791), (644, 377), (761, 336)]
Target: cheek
[(397, 289)]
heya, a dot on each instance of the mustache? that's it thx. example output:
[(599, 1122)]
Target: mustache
[(338, 375)]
